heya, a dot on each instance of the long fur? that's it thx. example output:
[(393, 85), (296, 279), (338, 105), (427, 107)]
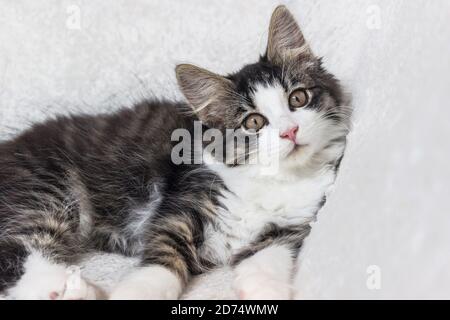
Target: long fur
[(107, 182)]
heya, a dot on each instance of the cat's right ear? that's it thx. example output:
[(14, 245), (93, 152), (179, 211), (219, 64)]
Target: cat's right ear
[(286, 41), (205, 91)]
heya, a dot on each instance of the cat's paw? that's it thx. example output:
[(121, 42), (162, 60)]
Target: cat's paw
[(265, 276), (46, 280), (262, 288), (149, 283)]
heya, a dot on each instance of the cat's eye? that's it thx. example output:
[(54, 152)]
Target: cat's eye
[(254, 122), (298, 99)]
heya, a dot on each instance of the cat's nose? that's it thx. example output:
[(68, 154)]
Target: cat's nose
[(290, 134)]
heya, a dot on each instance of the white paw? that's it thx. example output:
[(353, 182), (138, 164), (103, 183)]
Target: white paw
[(149, 283), (45, 280), (265, 276), (262, 288), (77, 288)]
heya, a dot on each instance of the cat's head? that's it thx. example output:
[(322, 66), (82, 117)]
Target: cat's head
[(287, 92)]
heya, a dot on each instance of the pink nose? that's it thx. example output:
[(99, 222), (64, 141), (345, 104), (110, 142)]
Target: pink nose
[(290, 134)]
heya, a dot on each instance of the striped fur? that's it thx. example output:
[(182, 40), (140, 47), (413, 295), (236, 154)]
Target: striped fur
[(85, 183)]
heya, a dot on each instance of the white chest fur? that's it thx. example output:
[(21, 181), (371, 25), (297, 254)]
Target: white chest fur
[(254, 201)]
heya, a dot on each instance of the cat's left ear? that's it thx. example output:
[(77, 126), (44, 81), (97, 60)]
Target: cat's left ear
[(286, 41), (207, 93)]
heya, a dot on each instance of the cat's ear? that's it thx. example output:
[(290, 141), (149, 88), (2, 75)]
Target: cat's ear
[(205, 91), (286, 41)]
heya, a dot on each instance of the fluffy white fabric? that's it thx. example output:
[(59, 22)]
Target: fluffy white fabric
[(384, 232), (389, 207)]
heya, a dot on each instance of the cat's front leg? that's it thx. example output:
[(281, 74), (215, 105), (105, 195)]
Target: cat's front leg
[(168, 251), (266, 275)]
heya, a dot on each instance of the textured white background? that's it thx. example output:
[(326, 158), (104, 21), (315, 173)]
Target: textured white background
[(390, 205)]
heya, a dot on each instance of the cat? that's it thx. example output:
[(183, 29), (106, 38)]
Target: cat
[(79, 184)]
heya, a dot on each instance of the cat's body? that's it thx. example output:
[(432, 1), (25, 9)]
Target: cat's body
[(109, 182)]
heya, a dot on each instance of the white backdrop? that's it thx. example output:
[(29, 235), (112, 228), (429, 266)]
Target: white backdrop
[(389, 213)]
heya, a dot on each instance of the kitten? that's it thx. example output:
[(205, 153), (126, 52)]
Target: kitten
[(83, 183)]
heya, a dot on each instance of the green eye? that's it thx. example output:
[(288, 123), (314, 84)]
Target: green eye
[(298, 99), (254, 122)]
